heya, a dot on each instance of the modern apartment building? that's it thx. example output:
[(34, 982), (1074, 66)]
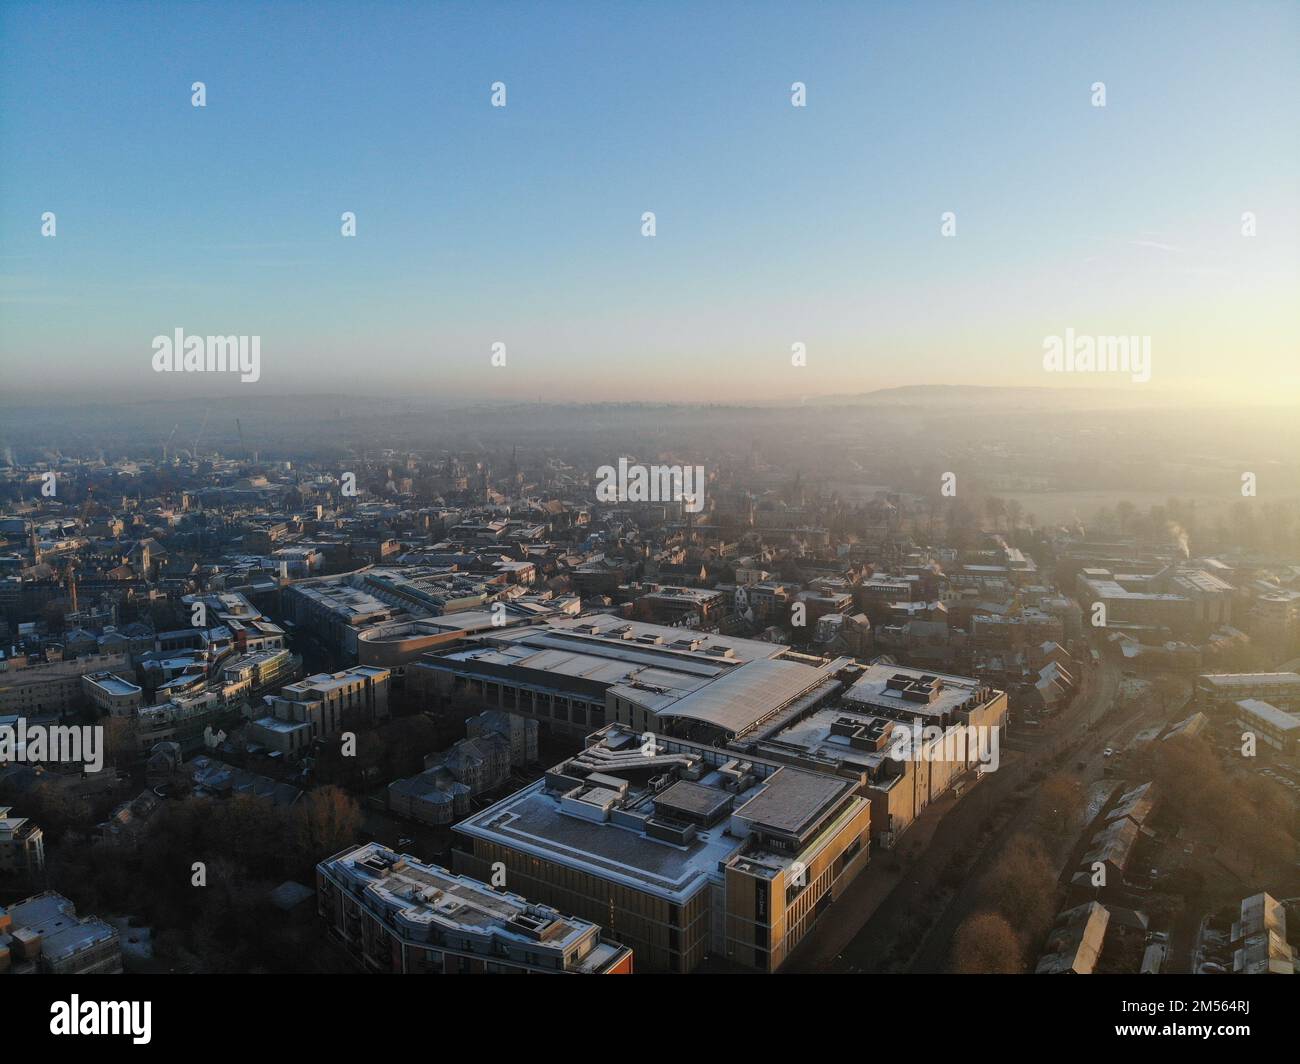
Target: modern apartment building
[(184, 720), (250, 631), (318, 706), (394, 914), (1259, 938), (680, 850), (257, 672), (863, 734), (44, 934), (692, 607)]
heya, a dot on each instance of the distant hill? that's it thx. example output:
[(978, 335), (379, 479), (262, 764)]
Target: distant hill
[(939, 396)]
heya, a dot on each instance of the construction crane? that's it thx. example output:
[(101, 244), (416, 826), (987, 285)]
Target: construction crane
[(70, 574), (242, 444), (169, 441), (203, 426)]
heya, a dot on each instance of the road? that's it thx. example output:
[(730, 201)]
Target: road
[(1081, 725)]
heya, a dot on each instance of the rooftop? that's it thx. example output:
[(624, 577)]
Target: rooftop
[(1270, 714), (326, 681), (533, 821), (792, 802), (421, 897), (114, 685), (730, 684), (1251, 679), (841, 734), (736, 702), (54, 919), (900, 692), (654, 820)]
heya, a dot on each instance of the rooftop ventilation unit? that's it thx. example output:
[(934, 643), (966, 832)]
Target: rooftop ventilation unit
[(736, 775), (672, 831)]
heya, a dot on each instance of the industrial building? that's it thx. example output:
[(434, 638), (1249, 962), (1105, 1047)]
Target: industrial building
[(1223, 690), (573, 675), (1275, 728)]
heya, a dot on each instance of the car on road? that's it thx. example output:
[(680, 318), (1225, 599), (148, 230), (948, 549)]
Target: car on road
[(1108, 752)]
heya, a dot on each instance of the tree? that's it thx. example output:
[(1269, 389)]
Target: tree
[(961, 522), (324, 821), (1167, 690), (1125, 510), (52, 613), (985, 944), (995, 508), (121, 741), (1014, 512), (1022, 887), (1062, 797)]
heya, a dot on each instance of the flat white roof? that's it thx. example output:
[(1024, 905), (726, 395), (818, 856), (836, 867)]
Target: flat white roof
[(1270, 714)]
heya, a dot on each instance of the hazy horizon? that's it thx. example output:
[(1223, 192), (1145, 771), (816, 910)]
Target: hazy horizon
[(1075, 397)]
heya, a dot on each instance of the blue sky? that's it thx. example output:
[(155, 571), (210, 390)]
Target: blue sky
[(775, 224)]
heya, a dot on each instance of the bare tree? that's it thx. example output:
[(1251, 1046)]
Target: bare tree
[(1062, 797), (985, 944)]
